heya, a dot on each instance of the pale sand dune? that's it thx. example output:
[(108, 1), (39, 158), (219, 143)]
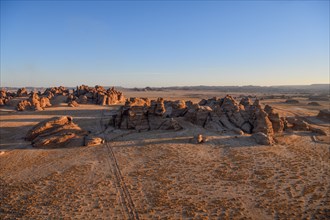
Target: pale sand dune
[(162, 174)]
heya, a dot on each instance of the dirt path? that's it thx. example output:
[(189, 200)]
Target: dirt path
[(126, 198)]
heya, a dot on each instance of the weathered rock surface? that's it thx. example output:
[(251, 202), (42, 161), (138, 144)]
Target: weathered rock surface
[(262, 138), (34, 102), (198, 139), (143, 118), (56, 132), (298, 124), (73, 104), (23, 105), (98, 95), (292, 101), (92, 140), (277, 121), (21, 92)]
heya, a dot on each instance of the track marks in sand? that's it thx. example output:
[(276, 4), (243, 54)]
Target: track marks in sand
[(184, 180)]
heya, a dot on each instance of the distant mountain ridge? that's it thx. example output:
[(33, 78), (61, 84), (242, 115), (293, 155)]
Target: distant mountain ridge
[(315, 88)]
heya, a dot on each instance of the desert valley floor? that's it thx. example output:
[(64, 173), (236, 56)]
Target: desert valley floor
[(163, 174)]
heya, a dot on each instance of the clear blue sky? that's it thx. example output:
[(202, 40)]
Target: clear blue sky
[(164, 43)]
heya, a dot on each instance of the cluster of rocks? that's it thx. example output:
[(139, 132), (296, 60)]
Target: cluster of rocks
[(5, 97), (97, 95), (143, 115), (244, 117), (34, 102), (219, 115), (55, 91), (60, 132), (82, 95)]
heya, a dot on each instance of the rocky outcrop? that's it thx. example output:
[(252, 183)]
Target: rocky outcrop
[(44, 102), (56, 132), (22, 92), (176, 109), (262, 138), (5, 97), (138, 102), (292, 101), (92, 140), (277, 121), (55, 91), (34, 102), (214, 114), (98, 95), (23, 105), (297, 124), (142, 117), (73, 104)]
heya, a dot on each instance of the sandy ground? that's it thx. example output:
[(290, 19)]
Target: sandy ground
[(162, 174)]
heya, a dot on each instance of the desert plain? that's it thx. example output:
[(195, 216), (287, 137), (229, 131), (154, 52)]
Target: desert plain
[(165, 174)]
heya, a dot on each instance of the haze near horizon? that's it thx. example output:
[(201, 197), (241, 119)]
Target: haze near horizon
[(185, 43)]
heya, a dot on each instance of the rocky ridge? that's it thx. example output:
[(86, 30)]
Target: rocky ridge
[(216, 114)]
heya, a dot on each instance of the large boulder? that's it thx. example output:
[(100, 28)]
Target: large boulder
[(262, 138), (92, 140), (177, 108), (44, 102), (261, 123), (73, 104), (277, 121), (157, 107), (298, 124), (292, 101), (56, 132), (23, 105)]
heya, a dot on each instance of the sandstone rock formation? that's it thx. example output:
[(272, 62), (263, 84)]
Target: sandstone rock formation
[(262, 138), (22, 92), (59, 95), (292, 101), (23, 105), (219, 115), (176, 109), (55, 91), (277, 122), (297, 124), (73, 103), (98, 95), (198, 139), (92, 140), (34, 102), (5, 97), (143, 115), (56, 132)]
